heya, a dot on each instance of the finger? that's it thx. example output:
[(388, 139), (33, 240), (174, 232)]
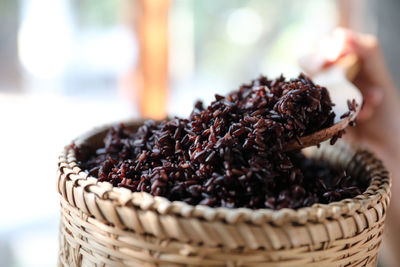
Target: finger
[(365, 113), (373, 67), (374, 96), (372, 99)]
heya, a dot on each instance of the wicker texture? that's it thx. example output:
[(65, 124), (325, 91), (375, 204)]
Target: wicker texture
[(106, 226)]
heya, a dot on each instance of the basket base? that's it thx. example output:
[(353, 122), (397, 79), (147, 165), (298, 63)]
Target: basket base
[(85, 241)]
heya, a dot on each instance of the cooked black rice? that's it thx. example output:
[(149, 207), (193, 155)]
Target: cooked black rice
[(229, 154)]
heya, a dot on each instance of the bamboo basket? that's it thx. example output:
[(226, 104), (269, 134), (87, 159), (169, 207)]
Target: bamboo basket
[(106, 226)]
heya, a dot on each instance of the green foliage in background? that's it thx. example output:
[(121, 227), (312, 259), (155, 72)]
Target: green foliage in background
[(95, 13)]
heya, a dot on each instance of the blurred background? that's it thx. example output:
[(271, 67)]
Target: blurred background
[(69, 65)]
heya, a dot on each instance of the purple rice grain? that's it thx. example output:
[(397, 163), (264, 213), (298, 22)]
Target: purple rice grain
[(229, 154)]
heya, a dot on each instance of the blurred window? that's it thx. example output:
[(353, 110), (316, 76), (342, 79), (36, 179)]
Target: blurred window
[(217, 45)]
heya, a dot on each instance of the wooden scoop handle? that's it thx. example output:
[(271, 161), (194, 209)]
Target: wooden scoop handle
[(349, 64)]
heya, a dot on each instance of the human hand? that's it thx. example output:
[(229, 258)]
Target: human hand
[(378, 125)]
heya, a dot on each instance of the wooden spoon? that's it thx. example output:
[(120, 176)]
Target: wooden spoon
[(336, 79)]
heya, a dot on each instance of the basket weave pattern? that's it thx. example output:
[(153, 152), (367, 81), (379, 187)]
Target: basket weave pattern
[(106, 226)]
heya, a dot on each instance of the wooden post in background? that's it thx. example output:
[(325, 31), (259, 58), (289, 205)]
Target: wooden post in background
[(153, 58)]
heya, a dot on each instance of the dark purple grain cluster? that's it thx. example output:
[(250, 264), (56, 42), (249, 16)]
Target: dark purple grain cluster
[(228, 154)]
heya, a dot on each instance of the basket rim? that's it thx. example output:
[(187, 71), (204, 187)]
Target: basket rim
[(378, 190)]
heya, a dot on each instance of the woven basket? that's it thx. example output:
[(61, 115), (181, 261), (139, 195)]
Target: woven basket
[(106, 226)]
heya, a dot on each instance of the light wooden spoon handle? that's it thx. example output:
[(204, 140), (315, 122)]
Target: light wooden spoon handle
[(350, 64)]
